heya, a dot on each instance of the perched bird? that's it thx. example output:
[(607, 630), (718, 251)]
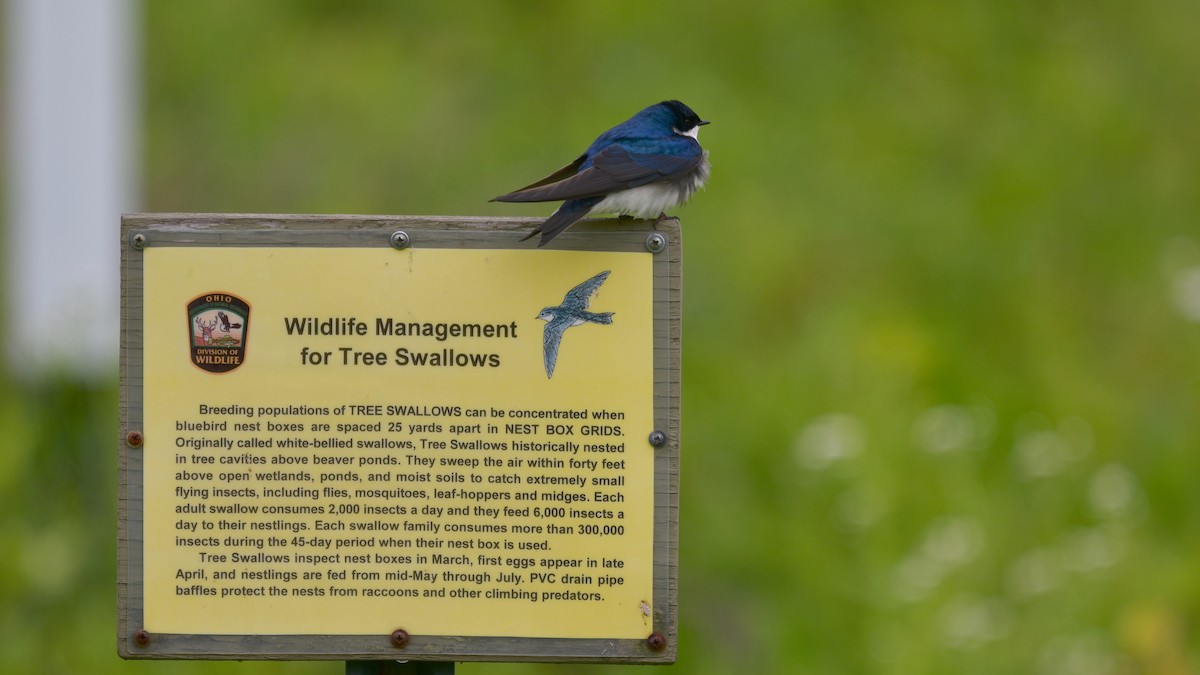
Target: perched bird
[(572, 312), (645, 165)]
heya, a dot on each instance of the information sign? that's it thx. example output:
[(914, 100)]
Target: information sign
[(372, 437)]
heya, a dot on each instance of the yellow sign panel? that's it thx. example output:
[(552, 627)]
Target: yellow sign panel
[(342, 441)]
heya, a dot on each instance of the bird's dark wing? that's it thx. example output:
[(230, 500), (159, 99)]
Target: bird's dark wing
[(565, 172), (551, 337), (564, 217), (613, 168), (578, 298)]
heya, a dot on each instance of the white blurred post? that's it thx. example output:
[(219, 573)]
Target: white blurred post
[(71, 98)]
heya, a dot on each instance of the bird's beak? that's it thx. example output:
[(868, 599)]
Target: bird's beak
[(702, 123)]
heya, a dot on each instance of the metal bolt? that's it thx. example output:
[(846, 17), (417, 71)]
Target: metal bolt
[(138, 241), (400, 239), (657, 642), (141, 638), (400, 636), (656, 243), (657, 438), (134, 439)]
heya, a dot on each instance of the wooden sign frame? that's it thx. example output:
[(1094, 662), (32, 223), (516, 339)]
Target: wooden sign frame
[(661, 240)]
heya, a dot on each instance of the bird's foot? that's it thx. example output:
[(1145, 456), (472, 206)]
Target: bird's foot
[(662, 216), (624, 216)]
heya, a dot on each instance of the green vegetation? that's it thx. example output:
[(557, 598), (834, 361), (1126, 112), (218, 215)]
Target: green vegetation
[(942, 304)]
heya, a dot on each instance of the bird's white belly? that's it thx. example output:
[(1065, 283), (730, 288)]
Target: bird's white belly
[(643, 201), (650, 200)]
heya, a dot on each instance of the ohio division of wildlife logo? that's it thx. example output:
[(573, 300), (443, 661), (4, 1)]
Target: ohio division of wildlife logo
[(572, 312), (218, 324)]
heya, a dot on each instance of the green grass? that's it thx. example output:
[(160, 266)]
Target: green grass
[(941, 337)]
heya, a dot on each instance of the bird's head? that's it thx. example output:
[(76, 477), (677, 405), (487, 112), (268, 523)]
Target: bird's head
[(682, 119), (547, 314)]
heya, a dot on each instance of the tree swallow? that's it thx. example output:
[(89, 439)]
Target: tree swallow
[(645, 165), (572, 312)]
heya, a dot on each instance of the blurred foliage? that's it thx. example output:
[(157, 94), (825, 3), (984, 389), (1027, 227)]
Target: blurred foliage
[(942, 303)]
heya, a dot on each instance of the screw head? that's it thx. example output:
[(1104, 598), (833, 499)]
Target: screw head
[(141, 638), (656, 243), (400, 239), (134, 439), (656, 641), (657, 438), (400, 638), (138, 241)]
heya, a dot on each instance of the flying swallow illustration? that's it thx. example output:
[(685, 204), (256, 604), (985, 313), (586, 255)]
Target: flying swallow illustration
[(572, 312), (644, 166)]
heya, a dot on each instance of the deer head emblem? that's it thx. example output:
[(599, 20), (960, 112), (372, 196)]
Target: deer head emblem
[(206, 329)]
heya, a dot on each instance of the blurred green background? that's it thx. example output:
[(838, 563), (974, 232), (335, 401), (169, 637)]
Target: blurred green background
[(941, 394)]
